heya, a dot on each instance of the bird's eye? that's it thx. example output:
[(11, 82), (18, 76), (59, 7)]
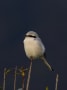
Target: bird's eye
[(31, 36), (34, 36)]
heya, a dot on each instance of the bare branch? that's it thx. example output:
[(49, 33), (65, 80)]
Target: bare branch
[(29, 73), (56, 85)]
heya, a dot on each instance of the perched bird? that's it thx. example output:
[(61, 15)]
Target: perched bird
[(34, 48)]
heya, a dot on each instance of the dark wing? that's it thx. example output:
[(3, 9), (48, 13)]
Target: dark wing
[(45, 55)]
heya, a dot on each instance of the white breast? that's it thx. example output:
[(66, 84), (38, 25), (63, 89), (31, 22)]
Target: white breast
[(33, 48)]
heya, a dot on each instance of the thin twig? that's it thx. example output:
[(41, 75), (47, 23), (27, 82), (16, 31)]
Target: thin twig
[(56, 85), (15, 78), (23, 78), (29, 73), (4, 78)]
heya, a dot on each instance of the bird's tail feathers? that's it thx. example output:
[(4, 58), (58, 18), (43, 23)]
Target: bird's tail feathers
[(47, 64)]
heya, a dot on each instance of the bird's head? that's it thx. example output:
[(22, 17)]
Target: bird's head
[(32, 34)]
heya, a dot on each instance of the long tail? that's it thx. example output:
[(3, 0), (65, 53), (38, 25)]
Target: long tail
[(47, 64)]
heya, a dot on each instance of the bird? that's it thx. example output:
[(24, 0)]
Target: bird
[(34, 48)]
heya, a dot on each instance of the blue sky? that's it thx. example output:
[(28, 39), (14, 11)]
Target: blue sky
[(49, 20)]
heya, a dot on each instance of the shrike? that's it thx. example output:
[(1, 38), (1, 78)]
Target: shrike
[(34, 48)]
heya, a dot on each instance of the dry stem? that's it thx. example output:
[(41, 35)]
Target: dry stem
[(29, 73)]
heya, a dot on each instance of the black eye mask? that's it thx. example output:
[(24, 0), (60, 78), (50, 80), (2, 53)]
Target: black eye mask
[(30, 36)]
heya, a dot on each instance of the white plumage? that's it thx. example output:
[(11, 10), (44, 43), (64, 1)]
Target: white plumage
[(34, 47)]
